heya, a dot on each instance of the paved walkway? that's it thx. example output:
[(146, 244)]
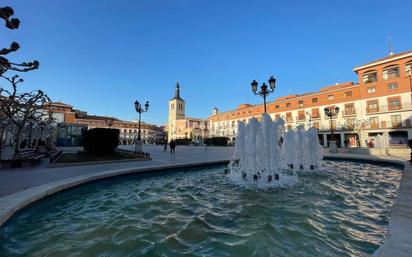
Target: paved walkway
[(20, 187), (16, 180)]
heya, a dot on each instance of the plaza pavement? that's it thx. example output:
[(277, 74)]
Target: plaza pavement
[(16, 180), (20, 187)]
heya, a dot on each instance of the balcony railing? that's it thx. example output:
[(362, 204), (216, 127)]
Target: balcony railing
[(349, 113), (389, 108)]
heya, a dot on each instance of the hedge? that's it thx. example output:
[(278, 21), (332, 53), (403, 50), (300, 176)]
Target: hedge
[(218, 141), (183, 141), (100, 141)]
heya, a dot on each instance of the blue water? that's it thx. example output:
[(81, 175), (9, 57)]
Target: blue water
[(341, 212)]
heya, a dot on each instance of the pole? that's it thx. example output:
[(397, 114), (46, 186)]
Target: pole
[(264, 101), (331, 127), (138, 132)]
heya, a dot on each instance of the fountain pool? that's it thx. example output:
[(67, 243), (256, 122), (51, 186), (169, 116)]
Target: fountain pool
[(342, 210)]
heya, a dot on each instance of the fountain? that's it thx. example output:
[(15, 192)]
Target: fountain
[(265, 155)]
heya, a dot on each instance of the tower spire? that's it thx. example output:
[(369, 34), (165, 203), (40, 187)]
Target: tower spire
[(177, 91), (390, 47)]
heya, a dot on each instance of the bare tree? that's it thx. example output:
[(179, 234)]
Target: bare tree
[(22, 108), (13, 23), (6, 101), (358, 127)]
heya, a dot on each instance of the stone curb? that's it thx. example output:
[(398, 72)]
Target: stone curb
[(73, 164), (10, 204)]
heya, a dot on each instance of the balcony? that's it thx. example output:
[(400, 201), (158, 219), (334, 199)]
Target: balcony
[(315, 116), (349, 113), (301, 118), (387, 108), (289, 119)]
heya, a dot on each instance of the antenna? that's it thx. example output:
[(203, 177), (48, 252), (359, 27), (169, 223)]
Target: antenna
[(390, 46)]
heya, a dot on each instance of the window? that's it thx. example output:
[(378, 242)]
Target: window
[(289, 117), (348, 93), (277, 106), (314, 100), (391, 72), (370, 77), (371, 90), (277, 116), (301, 115), (349, 109), (408, 68), (316, 124), (300, 103), (287, 104), (372, 106), (374, 122), (392, 86), (394, 103), (315, 113), (172, 106), (331, 97), (396, 121)]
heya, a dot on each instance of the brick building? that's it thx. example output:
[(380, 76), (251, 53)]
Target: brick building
[(71, 122), (379, 104)]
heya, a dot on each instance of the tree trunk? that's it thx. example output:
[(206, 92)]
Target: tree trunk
[(1, 143), (19, 132)]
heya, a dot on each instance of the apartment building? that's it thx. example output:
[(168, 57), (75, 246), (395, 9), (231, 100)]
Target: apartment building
[(379, 104)]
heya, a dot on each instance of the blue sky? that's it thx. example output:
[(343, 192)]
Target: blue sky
[(102, 55)]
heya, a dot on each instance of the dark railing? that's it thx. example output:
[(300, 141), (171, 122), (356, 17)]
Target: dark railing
[(390, 108), (349, 113)]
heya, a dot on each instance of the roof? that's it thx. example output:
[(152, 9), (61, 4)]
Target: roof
[(384, 60), (94, 117), (61, 104)]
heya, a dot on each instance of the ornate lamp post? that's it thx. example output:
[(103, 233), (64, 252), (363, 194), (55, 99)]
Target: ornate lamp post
[(140, 110), (264, 89), (330, 112)]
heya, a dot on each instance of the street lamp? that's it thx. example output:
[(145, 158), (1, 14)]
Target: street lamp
[(330, 112), (264, 89), (110, 122), (140, 110)]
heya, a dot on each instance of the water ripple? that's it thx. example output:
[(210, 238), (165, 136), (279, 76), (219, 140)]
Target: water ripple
[(341, 211)]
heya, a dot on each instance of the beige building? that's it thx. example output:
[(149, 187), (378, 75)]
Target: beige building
[(179, 126)]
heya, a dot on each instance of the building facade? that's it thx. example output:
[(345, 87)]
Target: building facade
[(379, 104), (181, 127), (71, 122)]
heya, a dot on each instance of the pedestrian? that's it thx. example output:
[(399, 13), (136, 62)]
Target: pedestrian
[(410, 146), (165, 146), (172, 146)]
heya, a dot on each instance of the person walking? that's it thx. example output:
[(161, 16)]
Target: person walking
[(165, 147), (172, 146), (410, 146)]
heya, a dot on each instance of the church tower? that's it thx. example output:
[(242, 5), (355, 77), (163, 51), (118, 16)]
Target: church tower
[(176, 112)]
